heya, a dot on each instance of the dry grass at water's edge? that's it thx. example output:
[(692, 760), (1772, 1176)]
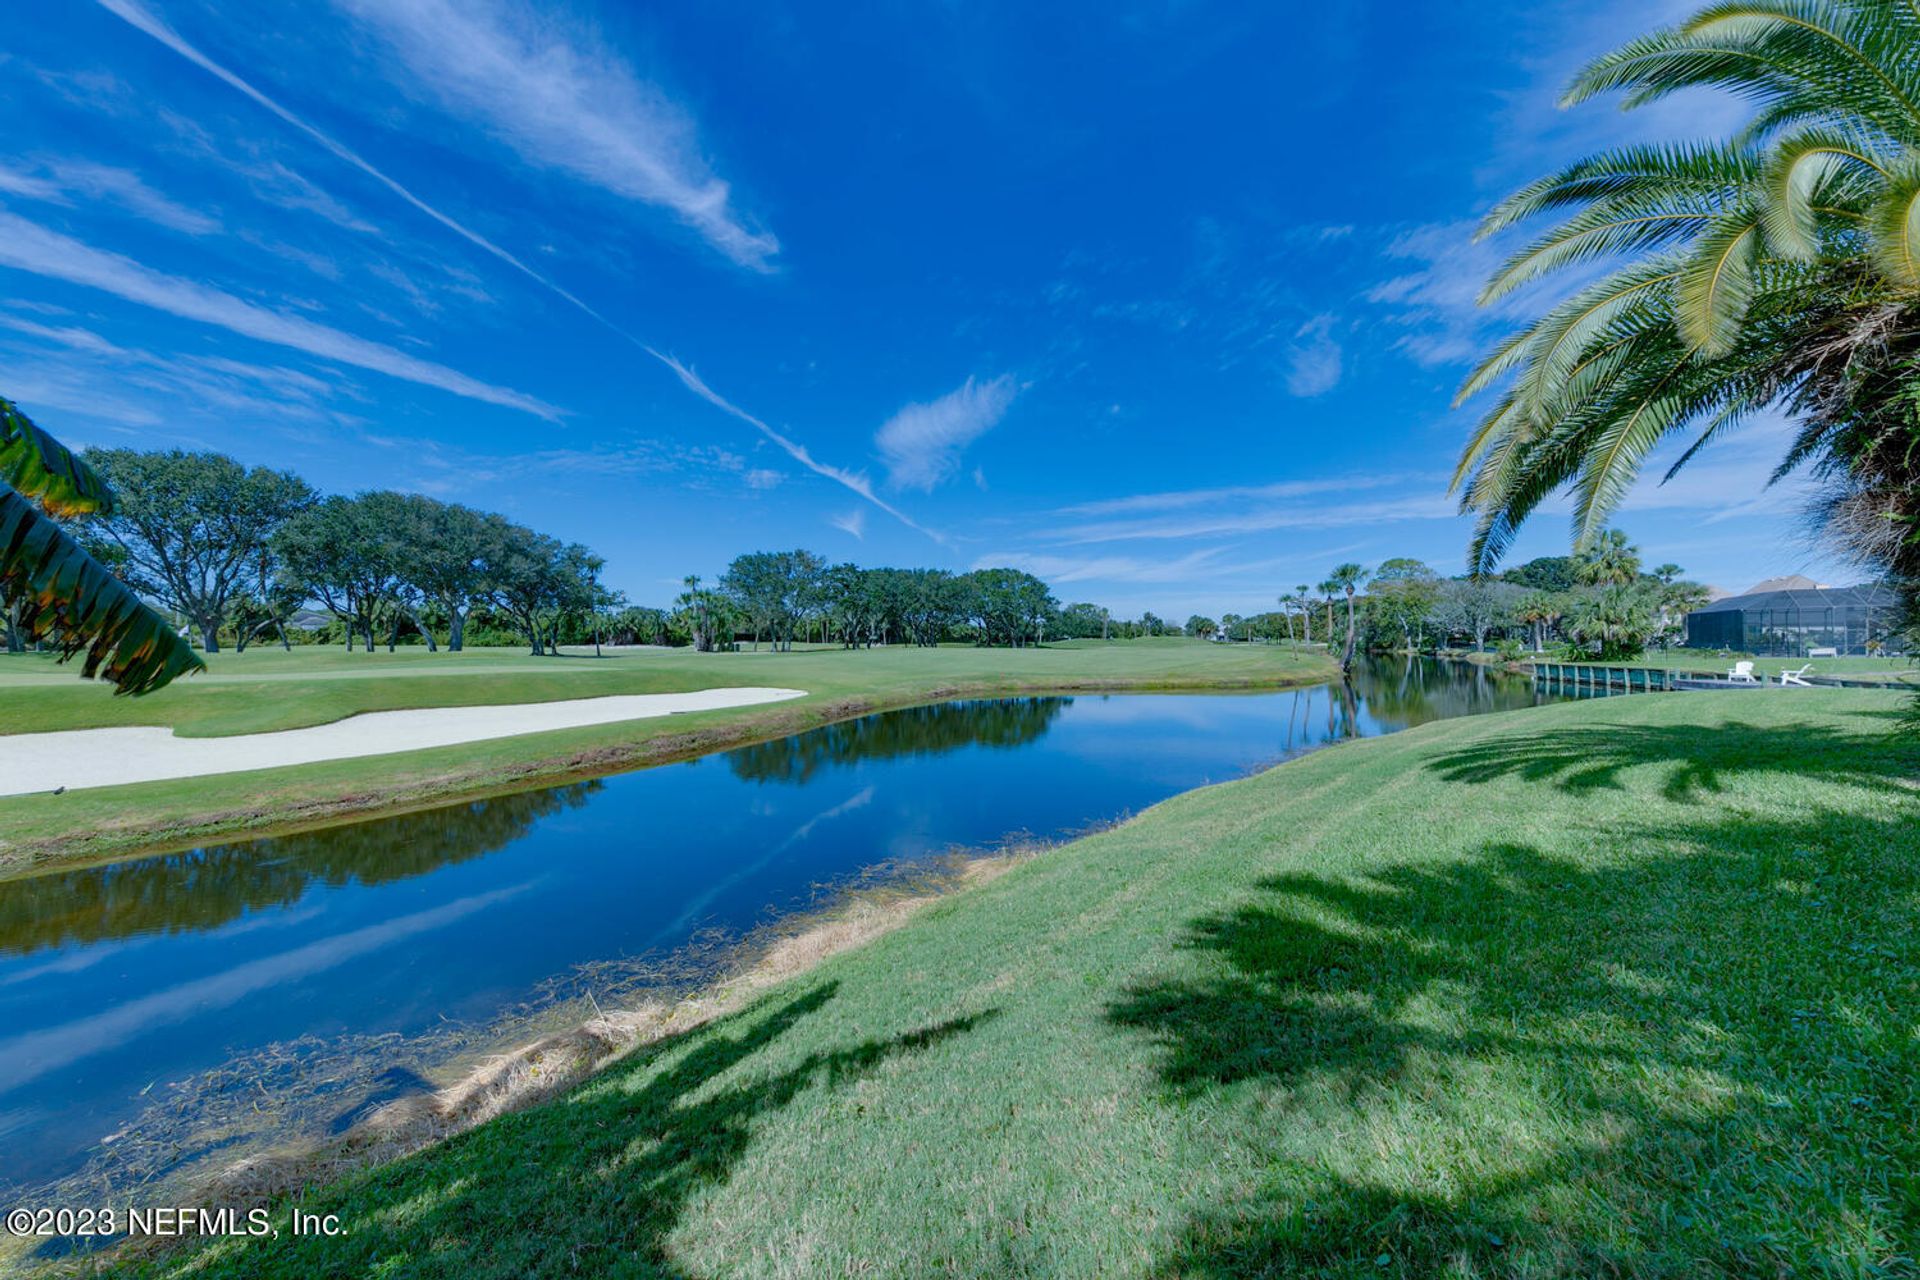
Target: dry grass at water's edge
[(544, 1068)]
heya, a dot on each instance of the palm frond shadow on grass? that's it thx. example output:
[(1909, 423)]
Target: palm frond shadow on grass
[(592, 1184), (1697, 758), (1653, 1061)]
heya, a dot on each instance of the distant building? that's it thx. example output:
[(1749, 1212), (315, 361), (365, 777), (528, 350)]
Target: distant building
[(1792, 582), (1789, 621)]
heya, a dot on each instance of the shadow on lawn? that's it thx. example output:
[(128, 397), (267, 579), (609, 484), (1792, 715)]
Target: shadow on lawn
[(1698, 757), (1692, 1060), (590, 1185)]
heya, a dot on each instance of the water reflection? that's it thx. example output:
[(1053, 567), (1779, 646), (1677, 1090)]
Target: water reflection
[(238, 996), (207, 888), (912, 731)]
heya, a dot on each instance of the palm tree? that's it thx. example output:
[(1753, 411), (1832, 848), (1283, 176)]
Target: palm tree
[(1609, 560), (1617, 620), (1677, 600), (1539, 610), (56, 592), (1348, 578), (1304, 594), (1326, 589), (1778, 268)]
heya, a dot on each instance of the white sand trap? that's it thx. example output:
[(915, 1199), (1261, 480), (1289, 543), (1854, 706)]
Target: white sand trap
[(77, 758)]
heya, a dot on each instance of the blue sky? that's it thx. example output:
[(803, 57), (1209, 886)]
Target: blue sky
[(1165, 302)]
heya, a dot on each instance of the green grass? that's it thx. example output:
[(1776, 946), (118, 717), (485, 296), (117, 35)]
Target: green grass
[(268, 689), (1611, 988)]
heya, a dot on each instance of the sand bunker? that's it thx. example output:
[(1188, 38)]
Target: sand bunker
[(79, 758)]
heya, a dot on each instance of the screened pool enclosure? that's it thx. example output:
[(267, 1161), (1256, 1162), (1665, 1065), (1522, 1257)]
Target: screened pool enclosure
[(1789, 623)]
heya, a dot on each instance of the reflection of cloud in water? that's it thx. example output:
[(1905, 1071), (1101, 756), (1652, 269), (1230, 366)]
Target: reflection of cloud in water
[(75, 963), (1208, 714), (20, 1118), (859, 800), (27, 1057)]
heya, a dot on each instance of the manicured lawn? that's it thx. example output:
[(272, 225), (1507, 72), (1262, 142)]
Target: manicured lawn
[(1625, 987), (267, 689)]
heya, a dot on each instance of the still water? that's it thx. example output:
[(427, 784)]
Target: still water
[(163, 1015)]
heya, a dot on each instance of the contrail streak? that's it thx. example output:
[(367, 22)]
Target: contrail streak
[(136, 15)]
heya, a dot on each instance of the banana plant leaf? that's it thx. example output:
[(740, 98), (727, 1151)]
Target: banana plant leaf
[(39, 467), (69, 600)]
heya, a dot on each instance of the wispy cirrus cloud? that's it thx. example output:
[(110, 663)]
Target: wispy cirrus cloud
[(137, 15), (922, 443), (1057, 568), (1231, 520), (59, 181), (1314, 359), (562, 100), (1241, 495), (852, 522), (73, 368), (852, 480), (27, 246)]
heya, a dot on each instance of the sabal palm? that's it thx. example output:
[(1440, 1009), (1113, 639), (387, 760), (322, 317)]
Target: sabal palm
[(1539, 610), (66, 597), (1609, 559), (1348, 578), (1780, 267)]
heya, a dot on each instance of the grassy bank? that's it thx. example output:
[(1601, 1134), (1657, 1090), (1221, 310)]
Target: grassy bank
[(1625, 987), (264, 690)]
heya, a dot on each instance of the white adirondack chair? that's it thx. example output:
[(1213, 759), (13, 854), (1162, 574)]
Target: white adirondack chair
[(1742, 673), (1796, 678)]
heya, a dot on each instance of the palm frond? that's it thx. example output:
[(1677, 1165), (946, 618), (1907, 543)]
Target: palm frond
[(1602, 231), (1637, 421), (1807, 172), (72, 602), (1564, 335), (1727, 418), (1674, 171), (1506, 357), (1713, 291), (1845, 51), (37, 466), (1495, 428), (1894, 225)]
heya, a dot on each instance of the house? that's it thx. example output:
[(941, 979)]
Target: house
[(1789, 621)]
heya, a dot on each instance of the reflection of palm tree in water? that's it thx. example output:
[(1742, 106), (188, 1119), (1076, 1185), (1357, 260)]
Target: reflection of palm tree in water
[(929, 730), (206, 888), (1411, 691)]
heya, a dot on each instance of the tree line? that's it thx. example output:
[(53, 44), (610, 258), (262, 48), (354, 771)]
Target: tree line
[(240, 553), (1600, 603)]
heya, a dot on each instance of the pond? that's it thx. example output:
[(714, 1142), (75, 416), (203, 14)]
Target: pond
[(162, 1015)]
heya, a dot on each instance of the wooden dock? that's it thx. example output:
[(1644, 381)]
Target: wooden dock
[(1598, 675), (1594, 675)]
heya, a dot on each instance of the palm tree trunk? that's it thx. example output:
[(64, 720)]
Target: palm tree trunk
[(1346, 663)]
